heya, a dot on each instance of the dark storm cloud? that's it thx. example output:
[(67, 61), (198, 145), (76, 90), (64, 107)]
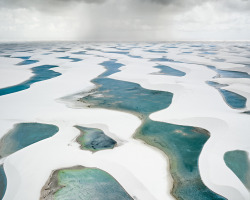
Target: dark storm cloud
[(123, 19), (176, 5), (229, 5)]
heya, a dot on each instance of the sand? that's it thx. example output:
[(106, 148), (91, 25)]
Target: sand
[(139, 168)]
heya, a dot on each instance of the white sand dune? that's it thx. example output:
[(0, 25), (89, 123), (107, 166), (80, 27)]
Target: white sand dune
[(12, 74), (141, 169), (197, 104), (29, 168)]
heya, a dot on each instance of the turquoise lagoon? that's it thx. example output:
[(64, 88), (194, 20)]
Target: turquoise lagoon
[(229, 74), (94, 139), (79, 53), (83, 183), (3, 182), (166, 70), (28, 62), (234, 100), (70, 58), (41, 73), (182, 144), (112, 67), (23, 135), (115, 93), (239, 163), (162, 59), (24, 57)]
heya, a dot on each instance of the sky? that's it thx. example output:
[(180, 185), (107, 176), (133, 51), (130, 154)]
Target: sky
[(124, 20)]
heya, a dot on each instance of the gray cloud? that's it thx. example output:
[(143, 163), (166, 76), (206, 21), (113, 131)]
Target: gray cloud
[(175, 5), (124, 19), (44, 4)]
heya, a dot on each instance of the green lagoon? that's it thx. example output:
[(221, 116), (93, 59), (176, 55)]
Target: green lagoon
[(23, 135), (83, 183), (239, 163)]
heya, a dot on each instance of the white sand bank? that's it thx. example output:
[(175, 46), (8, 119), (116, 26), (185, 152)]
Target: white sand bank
[(197, 104), (142, 170), (28, 169)]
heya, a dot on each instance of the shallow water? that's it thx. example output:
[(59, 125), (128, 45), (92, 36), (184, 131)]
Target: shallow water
[(118, 52), (41, 73), (94, 139), (239, 163), (79, 53), (28, 62), (229, 74), (24, 57), (182, 144), (166, 70), (157, 51), (162, 60), (23, 135), (85, 183), (3, 182), (69, 58), (127, 96), (111, 66), (234, 100)]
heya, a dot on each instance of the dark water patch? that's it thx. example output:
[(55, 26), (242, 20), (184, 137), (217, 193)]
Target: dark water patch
[(70, 58), (187, 52), (91, 49), (83, 183), (24, 57), (196, 45), (124, 53), (118, 52), (208, 53), (23, 135), (79, 53), (6, 56), (41, 73), (163, 60), (94, 139), (133, 56), (111, 67), (229, 74), (28, 62), (247, 112), (26, 50), (219, 60), (166, 70), (3, 182), (239, 163), (65, 48), (123, 49), (58, 51), (215, 84), (234, 100), (233, 74), (156, 51)]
